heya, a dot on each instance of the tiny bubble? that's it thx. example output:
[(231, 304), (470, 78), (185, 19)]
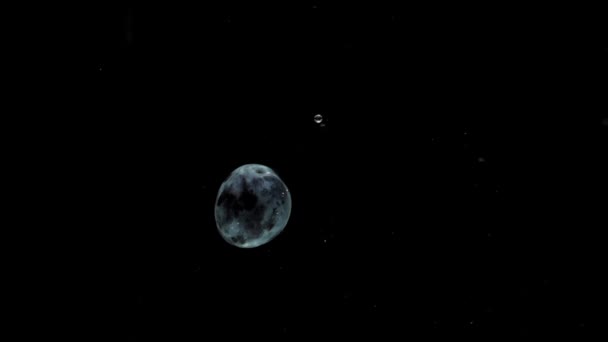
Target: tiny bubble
[(481, 159), (318, 118)]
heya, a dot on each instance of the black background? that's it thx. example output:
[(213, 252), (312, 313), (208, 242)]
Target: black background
[(398, 228)]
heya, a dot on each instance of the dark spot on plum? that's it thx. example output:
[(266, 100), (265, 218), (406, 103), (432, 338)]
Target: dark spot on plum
[(233, 205), (226, 199), (259, 171), (248, 199), (272, 220), (254, 219), (240, 239), (255, 182)]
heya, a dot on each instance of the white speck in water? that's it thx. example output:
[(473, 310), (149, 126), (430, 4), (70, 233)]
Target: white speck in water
[(318, 118)]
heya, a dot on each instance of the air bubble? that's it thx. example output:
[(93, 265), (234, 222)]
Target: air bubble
[(318, 118)]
